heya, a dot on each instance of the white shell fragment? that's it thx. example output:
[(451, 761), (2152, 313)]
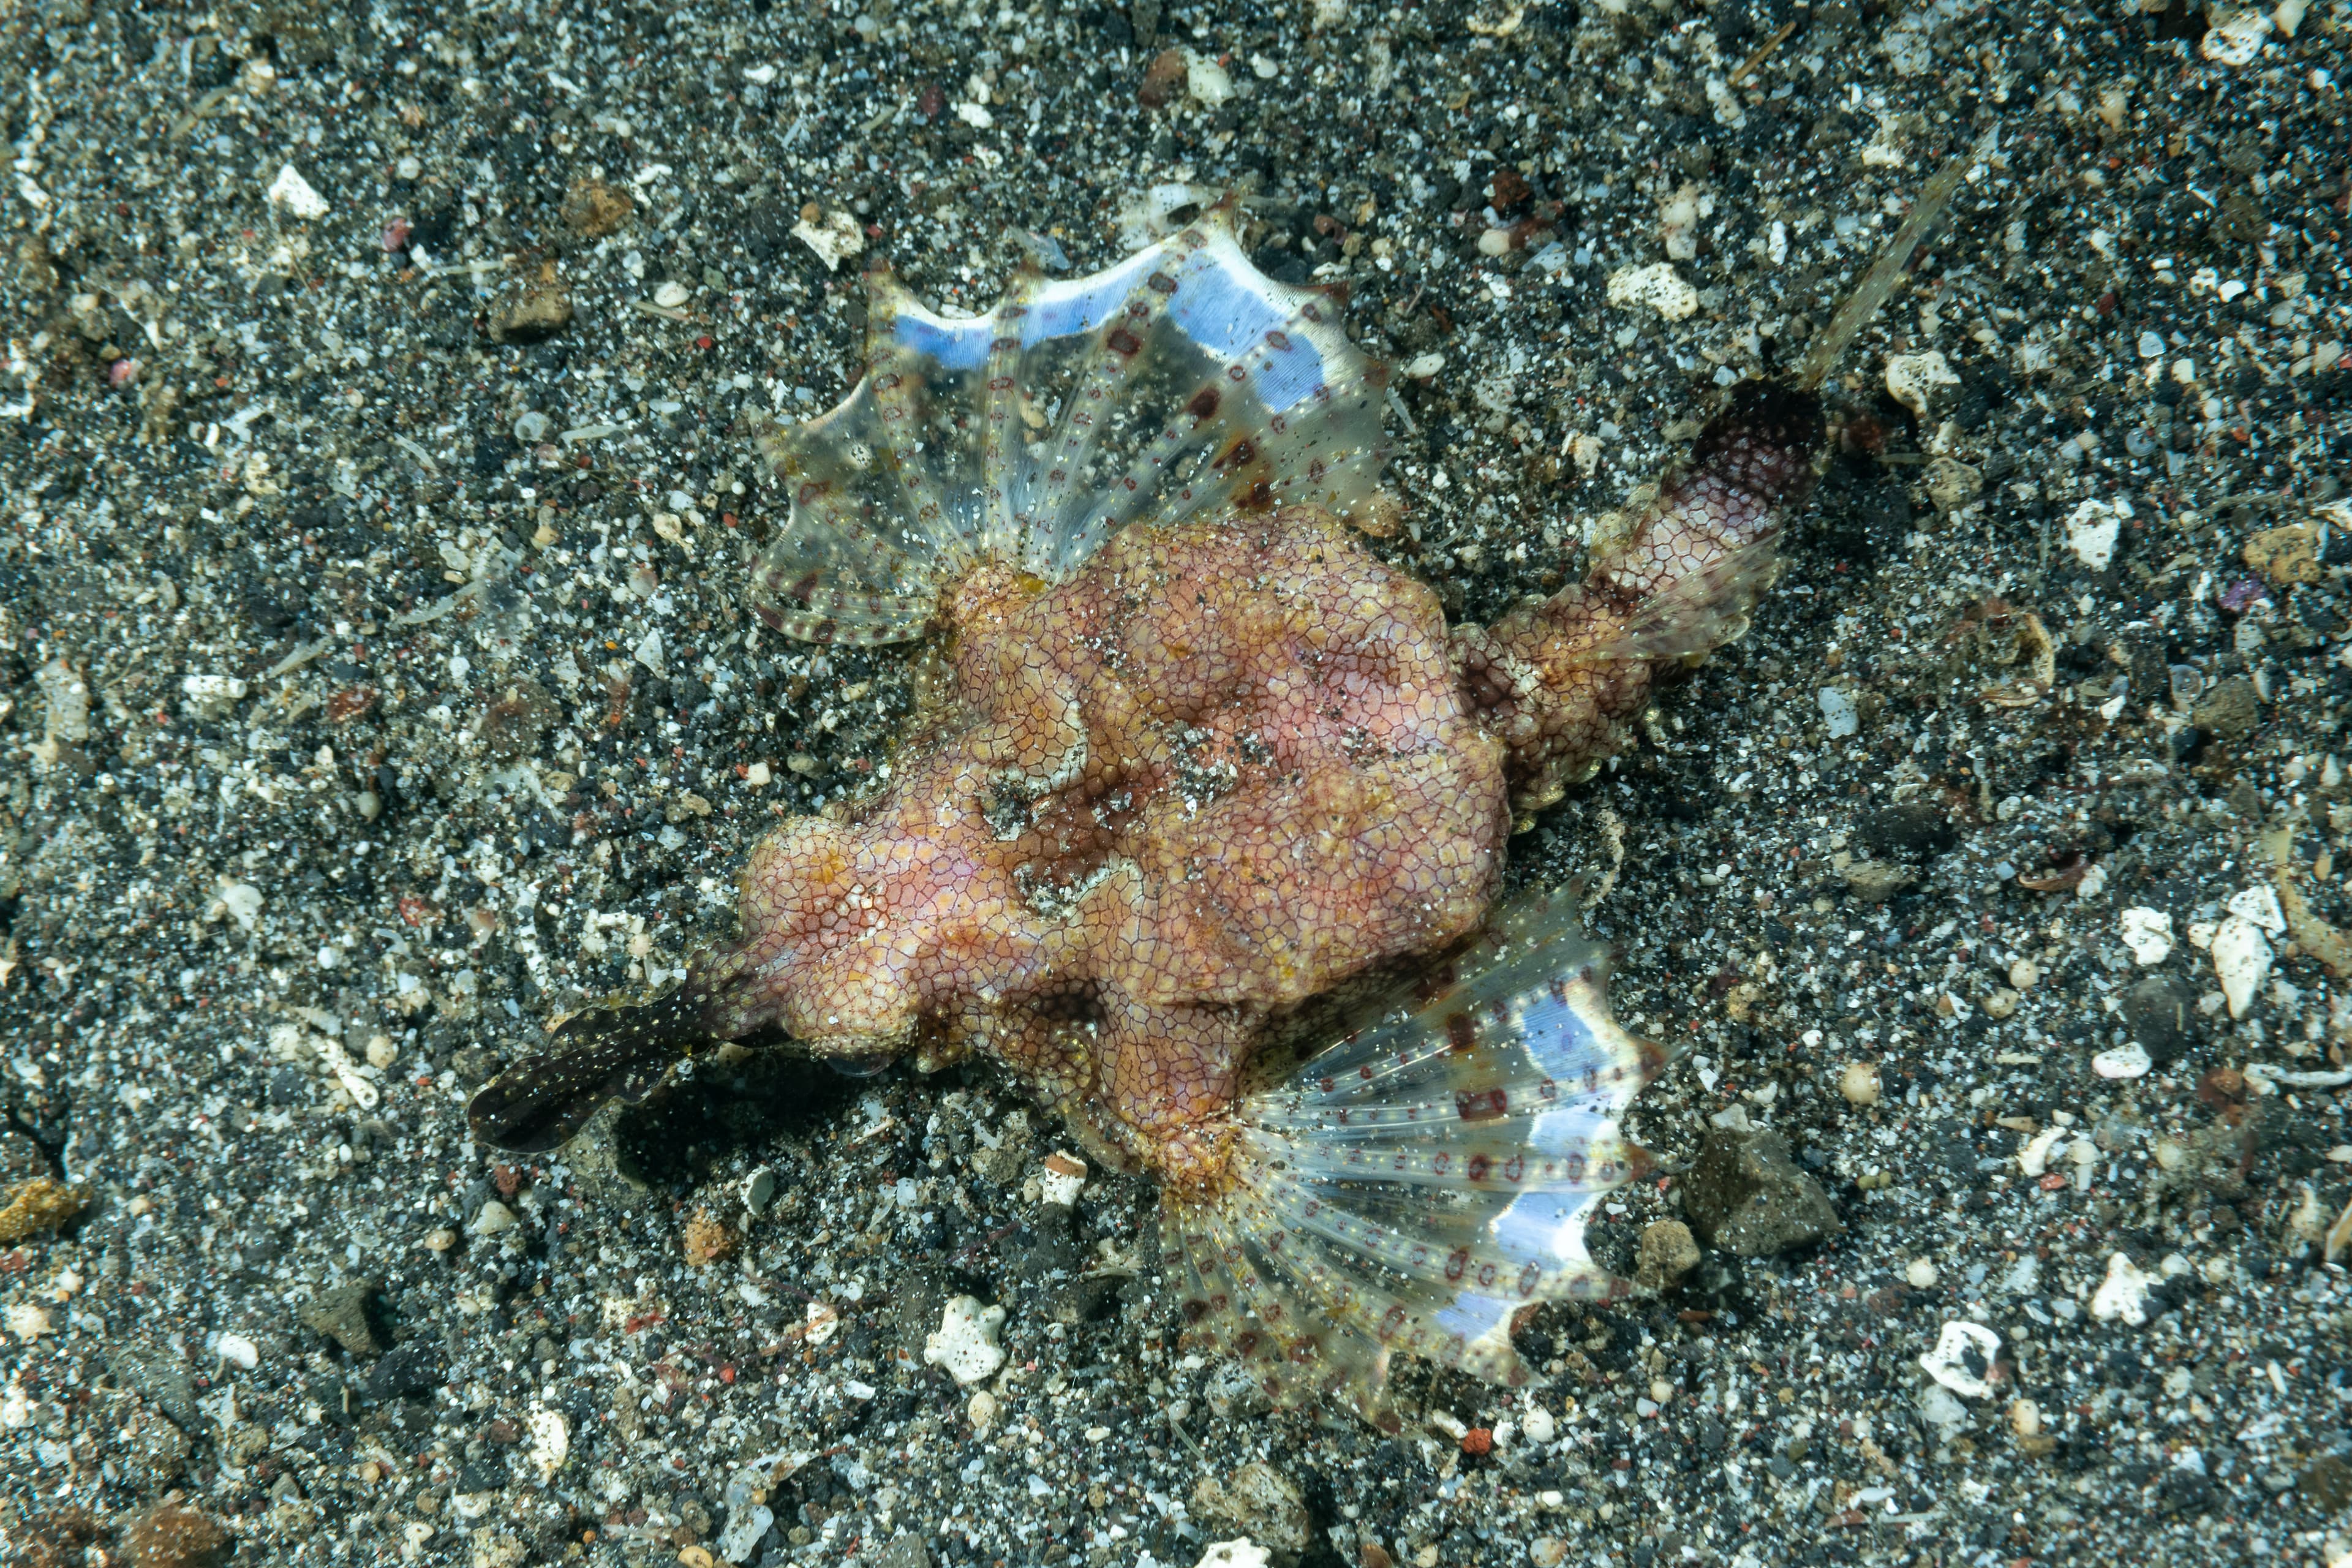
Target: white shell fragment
[(2034, 1158), (1957, 1347), (2149, 934), (1065, 1179), (1838, 711), (363, 1093), (1911, 379), (965, 1342), (293, 192), (822, 1321), (2091, 532), (2121, 1061), (835, 235), (1658, 286), (493, 1217), (213, 687), (1207, 80), (2260, 906), (239, 902), (2235, 38), (747, 1524), (2123, 1294), (2242, 961), (551, 1442), (1239, 1553)]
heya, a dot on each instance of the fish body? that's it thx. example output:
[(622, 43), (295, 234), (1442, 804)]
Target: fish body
[(1199, 758)]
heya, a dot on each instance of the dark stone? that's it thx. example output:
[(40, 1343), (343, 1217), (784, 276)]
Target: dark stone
[(2157, 1010), (407, 1371), (1919, 830), (2327, 1482), (905, 1552), (1745, 1195), (159, 1377), (2230, 711), (482, 1476), (2187, 1491), (341, 1313), (288, 1085)]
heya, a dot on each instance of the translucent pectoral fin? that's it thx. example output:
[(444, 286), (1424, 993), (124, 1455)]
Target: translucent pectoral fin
[(1700, 612), (607, 1052), (1413, 1187), (1177, 382)]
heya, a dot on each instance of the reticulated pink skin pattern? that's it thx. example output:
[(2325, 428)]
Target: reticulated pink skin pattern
[(1217, 770), (1557, 680)]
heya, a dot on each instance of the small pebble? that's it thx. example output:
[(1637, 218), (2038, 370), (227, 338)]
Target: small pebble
[(1240, 1553), (2123, 1294), (1921, 1274), (1911, 379), (1064, 1180), (2148, 932), (1963, 1358), (671, 295), (293, 192), (706, 1239), (2121, 1061), (171, 1536), (1859, 1083), (965, 1341)]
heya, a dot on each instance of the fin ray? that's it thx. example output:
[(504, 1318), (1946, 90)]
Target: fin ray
[(1177, 381), (1415, 1185)]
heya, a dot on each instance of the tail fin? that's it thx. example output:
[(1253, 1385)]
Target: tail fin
[(612, 1050), (1179, 381), (1414, 1186)]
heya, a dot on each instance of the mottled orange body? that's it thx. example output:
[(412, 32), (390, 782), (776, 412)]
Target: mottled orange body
[(1218, 769)]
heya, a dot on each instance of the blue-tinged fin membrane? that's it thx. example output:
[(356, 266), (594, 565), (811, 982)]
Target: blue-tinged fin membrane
[(1178, 383), (1414, 1186)]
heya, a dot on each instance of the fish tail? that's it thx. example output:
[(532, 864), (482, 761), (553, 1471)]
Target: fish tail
[(1558, 679), (1412, 1188), (613, 1049)]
